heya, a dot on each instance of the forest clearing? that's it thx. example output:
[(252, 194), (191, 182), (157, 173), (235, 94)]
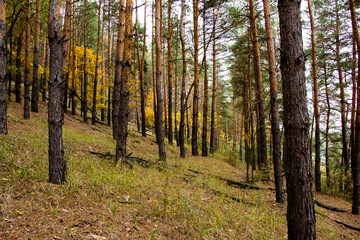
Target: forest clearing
[(178, 119)]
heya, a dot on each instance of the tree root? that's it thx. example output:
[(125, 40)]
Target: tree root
[(328, 207)]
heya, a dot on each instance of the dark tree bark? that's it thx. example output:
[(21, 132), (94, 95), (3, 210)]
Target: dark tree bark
[(118, 70), (170, 76), (160, 100), (27, 63), (276, 138), (183, 85), (35, 83), (261, 132), (93, 110), (84, 97), (124, 89), (194, 146), (142, 90), (3, 101), (297, 162), (19, 45), (355, 157), (214, 93), (57, 163), (204, 146), (73, 66), (67, 35)]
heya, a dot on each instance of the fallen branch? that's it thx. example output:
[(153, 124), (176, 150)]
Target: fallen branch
[(328, 207)]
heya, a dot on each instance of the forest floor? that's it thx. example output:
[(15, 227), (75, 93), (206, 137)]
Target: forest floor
[(182, 200)]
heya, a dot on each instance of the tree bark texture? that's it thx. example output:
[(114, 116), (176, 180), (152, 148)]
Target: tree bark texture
[(214, 93), (3, 100), (84, 99), (204, 146), (297, 162), (170, 76), (124, 87), (57, 163), (118, 70)]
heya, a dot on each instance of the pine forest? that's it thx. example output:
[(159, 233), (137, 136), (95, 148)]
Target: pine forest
[(179, 119)]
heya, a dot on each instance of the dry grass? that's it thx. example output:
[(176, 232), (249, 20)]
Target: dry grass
[(103, 200)]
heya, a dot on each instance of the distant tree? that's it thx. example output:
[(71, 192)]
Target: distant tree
[(84, 99), (159, 95), (93, 115), (35, 83), (27, 62), (67, 35), (170, 76), (57, 163), (194, 145), (183, 85), (297, 162), (3, 101), (19, 46)]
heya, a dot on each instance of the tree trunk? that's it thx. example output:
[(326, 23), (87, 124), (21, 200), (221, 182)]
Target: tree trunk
[(124, 88), (57, 163), (214, 93), (355, 157), (19, 45), (35, 83), (204, 151), (46, 64), (262, 149), (93, 117), (67, 34), (327, 161), (142, 90), (103, 84), (194, 146), (276, 138), (118, 70), (84, 98), (27, 63), (316, 102), (297, 161), (170, 76), (183, 85), (342, 93), (234, 126), (153, 59), (159, 112), (3, 101), (73, 67)]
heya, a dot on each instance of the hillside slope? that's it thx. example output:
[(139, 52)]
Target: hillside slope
[(181, 200)]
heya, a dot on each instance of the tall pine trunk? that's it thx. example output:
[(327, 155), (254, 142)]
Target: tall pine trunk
[(276, 138), (27, 62), (67, 35), (194, 146), (214, 93), (183, 85), (355, 157), (297, 161), (118, 70), (84, 99), (204, 151), (170, 76), (160, 100), (261, 132), (3, 101), (35, 83), (124, 87), (142, 88), (19, 45), (93, 115), (316, 102), (57, 163)]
